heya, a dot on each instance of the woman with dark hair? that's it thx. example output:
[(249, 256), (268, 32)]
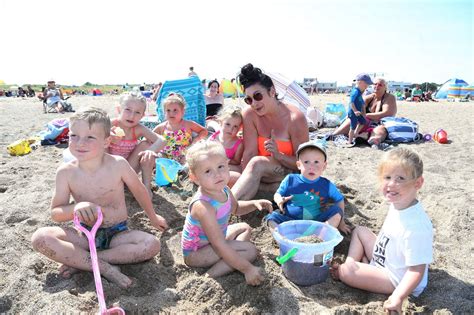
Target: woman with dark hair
[(214, 99), (273, 130)]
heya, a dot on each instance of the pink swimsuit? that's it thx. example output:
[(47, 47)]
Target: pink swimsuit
[(124, 147), (229, 152)]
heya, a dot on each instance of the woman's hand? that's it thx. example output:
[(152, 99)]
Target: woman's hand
[(271, 145), (86, 212)]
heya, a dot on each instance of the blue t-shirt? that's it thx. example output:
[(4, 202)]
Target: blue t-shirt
[(356, 98), (309, 196)]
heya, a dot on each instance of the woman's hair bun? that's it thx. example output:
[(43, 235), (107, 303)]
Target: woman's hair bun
[(250, 75)]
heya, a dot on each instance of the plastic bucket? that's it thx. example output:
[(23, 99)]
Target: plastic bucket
[(310, 264), (166, 171)]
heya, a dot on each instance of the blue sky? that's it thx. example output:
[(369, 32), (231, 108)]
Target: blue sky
[(151, 41)]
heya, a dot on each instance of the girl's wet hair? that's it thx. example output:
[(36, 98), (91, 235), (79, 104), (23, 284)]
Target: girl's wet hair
[(93, 115), (137, 97), (249, 76), (407, 159), (213, 81), (174, 98), (200, 148), (229, 111)]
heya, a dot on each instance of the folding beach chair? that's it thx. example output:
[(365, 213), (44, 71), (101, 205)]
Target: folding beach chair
[(192, 91)]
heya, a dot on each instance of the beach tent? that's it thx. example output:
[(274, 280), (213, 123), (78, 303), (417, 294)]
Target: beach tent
[(192, 91), (230, 89), (451, 89), (290, 91)]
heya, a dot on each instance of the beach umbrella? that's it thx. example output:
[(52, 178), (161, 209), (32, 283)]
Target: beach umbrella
[(290, 91)]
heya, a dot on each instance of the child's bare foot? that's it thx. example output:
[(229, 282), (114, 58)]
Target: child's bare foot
[(334, 269), (66, 271), (114, 274)]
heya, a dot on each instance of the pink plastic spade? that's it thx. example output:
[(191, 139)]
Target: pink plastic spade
[(95, 263)]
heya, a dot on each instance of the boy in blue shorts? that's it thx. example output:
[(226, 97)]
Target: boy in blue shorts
[(356, 110), (306, 196)]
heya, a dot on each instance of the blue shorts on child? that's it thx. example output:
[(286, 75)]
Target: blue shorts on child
[(278, 218), (355, 119)]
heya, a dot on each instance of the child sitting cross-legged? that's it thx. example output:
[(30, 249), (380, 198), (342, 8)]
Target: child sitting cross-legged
[(306, 196), (96, 179), (208, 241), (394, 262)]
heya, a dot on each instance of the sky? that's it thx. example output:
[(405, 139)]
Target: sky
[(116, 42)]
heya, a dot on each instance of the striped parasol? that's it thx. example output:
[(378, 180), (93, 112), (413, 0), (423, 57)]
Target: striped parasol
[(290, 91)]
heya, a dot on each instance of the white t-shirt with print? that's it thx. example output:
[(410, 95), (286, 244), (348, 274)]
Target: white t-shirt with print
[(406, 239)]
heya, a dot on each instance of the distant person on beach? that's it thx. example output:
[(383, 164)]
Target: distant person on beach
[(126, 133), (379, 104), (177, 131), (191, 72), (417, 94), (272, 131), (307, 196), (356, 110), (53, 97), (214, 99), (156, 91), (314, 86), (396, 260), (30, 92), (230, 123), (208, 241), (96, 179)]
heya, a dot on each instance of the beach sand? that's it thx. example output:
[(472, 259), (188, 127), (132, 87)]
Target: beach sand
[(29, 282)]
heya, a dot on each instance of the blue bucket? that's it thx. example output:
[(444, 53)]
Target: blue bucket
[(166, 171), (310, 264)]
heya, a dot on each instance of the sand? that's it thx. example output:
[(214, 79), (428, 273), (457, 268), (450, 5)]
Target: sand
[(29, 282)]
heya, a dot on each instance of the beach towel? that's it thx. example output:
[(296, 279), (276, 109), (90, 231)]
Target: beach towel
[(400, 129), (192, 91)]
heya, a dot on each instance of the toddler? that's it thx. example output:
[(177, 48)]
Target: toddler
[(395, 261), (176, 130), (207, 239), (306, 196), (126, 132), (95, 179), (356, 110)]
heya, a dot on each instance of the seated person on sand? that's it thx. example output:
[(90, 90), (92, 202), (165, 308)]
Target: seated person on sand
[(96, 179), (272, 131), (214, 99), (417, 94), (306, 196), (208, 241), (379, 104), (394, 262), (53, 97)]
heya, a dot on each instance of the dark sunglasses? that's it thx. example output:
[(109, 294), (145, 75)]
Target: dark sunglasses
[(257, 96)]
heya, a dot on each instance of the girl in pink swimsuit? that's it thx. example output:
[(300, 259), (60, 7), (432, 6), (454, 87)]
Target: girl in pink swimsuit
[(230, 119), (140, 155)]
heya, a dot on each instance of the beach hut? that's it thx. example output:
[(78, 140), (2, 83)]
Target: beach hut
[(452, 89)]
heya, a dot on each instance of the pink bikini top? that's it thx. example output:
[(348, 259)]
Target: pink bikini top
[(230, 152)]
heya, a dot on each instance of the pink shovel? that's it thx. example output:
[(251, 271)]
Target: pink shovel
[(95, 263)]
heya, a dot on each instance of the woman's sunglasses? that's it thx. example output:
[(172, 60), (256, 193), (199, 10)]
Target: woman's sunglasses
[(257, 96)]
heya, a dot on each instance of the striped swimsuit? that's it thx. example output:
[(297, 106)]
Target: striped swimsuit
[(193, 237)]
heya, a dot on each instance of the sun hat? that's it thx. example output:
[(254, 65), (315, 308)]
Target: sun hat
[(364, 77), (312, 144)]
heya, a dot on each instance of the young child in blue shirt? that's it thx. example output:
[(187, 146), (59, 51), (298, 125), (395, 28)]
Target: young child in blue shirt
[(356, 110), (306, 196)]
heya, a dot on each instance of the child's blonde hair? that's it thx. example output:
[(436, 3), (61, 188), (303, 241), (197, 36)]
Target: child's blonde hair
[(203, 147), (93, 115), (231, 111), (125, 98), (174, 98), (407, 159)]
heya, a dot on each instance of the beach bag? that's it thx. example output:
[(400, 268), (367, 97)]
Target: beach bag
[(19, 147), (337, 110), (401, 129)]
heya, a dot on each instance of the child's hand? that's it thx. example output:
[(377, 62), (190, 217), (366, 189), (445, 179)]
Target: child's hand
[(253, 276), (393, 303), (147, 155), (281, 204), (116, 134), (160, 223), (86, 212), (344, 228), (357, 113), (263, 204)]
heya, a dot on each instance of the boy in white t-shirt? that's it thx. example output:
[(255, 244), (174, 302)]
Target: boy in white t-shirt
[(396, 261)]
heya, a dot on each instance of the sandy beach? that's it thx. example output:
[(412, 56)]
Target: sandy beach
[(30, 283)]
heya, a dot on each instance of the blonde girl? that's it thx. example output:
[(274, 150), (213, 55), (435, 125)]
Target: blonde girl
[(178, 132), (207, 239)]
